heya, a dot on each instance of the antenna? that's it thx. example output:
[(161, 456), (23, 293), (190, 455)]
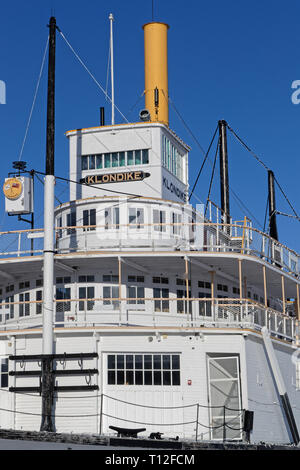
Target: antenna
[(111, 19)]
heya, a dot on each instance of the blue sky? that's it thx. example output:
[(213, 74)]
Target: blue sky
[(227, 60)]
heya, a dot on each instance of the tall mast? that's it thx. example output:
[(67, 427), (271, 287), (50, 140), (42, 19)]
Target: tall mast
[(48, 298), (224, 180), (272, 206), (111, 19)]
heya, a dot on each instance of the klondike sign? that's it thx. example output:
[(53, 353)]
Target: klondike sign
[(115, 177)]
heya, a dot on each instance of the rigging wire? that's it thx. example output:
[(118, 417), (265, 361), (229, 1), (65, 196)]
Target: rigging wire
[(265, 167), (203, 163), (201, 148), (212, 175), (34, 99)]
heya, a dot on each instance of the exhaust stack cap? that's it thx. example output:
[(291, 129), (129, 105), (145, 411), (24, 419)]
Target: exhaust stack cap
[(145, 115)]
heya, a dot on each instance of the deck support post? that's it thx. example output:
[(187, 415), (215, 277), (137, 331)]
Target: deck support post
[(283, 294)]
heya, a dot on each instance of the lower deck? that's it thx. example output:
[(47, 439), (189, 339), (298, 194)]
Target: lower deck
[(188, 382)]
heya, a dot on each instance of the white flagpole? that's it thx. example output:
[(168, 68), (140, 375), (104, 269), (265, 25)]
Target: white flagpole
[(111, 19)]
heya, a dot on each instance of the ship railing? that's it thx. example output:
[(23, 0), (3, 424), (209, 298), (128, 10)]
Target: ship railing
[(152, 311), (181, 236)]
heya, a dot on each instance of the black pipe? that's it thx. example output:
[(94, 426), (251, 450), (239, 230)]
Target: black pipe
[(51, 100), (272, 206), (102, 118), (224, 180)]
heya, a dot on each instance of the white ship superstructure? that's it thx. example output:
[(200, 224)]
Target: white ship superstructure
[(165, 317)]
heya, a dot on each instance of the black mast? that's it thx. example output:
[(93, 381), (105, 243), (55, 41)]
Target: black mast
[(272, 206), (51, 100), (47, 382), (224, 180)]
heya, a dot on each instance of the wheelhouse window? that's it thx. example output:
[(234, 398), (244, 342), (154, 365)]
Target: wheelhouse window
[(173, 160), (114, 159), (143, 369)]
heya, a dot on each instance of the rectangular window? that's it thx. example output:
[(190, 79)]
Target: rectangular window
[(63, 293), (160, 280), (137, 155), (222, 287), (204, 305), (86, 293), (136, 218), (24, 308), (110, 278), (176, 221), (24, 285), (136, 279), (143, 369), (182, 305), (99, 162), (38, 298), (88, 278), (122, 159), (145, 156), (4, 373), (161, 305), (204, 285), (89, 219), (63, 280), (159, 217), (84, 163), (112, 218), (114, 159), (109, 293), (10, 307), (130, 158), (92, 162), (136, 294), (107, 160), (71, 222)]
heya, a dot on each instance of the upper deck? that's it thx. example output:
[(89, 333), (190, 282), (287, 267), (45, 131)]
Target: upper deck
[(159, 263)]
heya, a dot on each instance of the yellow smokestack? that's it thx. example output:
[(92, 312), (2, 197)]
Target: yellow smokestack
[(156, 71)]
